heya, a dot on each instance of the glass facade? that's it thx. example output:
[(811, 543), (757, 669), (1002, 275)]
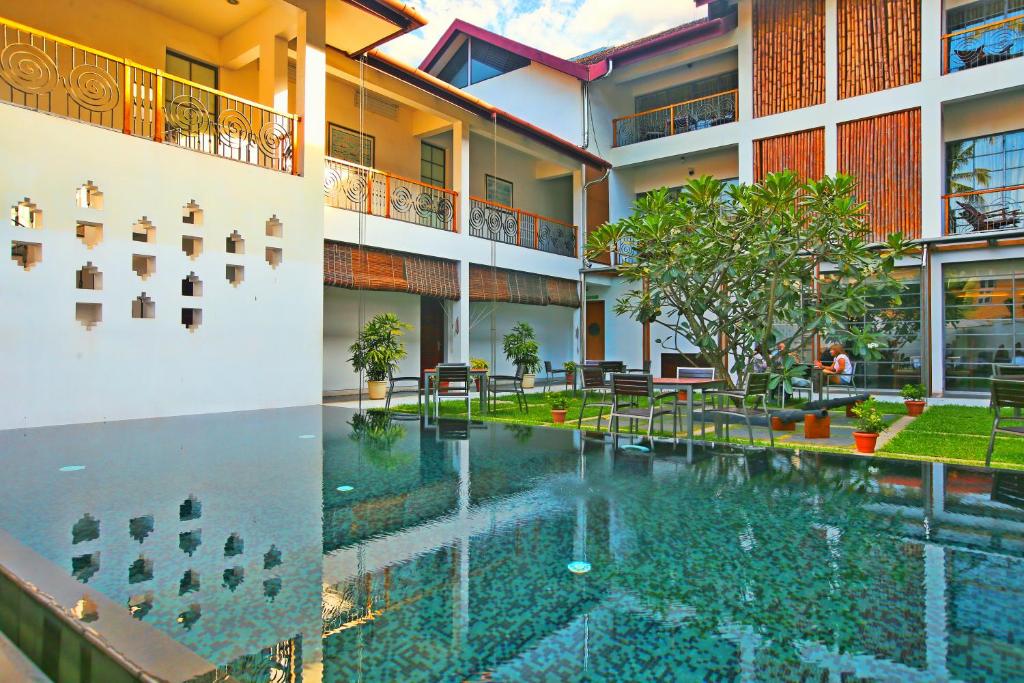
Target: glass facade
[(983, 321), (901, 357), (980, 34), (992, 166), (475, 61)]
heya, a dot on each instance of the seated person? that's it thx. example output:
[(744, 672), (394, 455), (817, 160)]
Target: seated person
[(841, 368)]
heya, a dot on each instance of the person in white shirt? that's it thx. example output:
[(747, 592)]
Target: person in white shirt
[(841, 368)]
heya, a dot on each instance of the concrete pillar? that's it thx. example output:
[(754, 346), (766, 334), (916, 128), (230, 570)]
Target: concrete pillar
[(933, 182), (273, 72), (311, 87), (460, 349), (745, 74), (460, 173), (935, 612), (935, 326), (932, 20), (831, 52)]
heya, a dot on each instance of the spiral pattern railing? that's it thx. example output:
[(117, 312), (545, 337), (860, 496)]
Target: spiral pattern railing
[(358, 188), (501, 223), (46, 73), (994, 42), (703, 112)]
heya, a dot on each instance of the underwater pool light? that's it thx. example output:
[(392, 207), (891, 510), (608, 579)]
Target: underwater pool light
[(72, 468), (346, 488), (307, 436), (579, 567)]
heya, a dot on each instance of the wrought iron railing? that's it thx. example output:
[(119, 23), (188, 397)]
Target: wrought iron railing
[(358, 188), (703, 112), (501, 223), (50, 74), (993, 42), (1000, 208)]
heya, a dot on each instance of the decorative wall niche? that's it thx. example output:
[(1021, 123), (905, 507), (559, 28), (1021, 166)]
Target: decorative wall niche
[(272, 558), (192, 318), (88, 277), (89, 196), (192, 246), (189, 541), (143, 265), (234, 243), (192, 214), (189, 617), (25, 214), (91, 234), (234, 274), (26, 254), (234, 545), (83, 567), (275, 228), (140, 605), (89, 314), (233, 578), (274, 256), (85, 529), (271, 588), (191, 285), (189, 582), (190, 509), (144, 231), (140, 570), (141, 527), (143, 307)]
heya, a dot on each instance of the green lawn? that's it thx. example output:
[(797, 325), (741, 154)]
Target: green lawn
[(956, 433)]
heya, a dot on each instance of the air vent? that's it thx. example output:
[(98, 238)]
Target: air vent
[(377, 104)]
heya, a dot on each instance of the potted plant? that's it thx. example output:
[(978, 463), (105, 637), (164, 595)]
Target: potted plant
[(559, 407), (868, 426), (521, 349), (913, 397), (570, 373), (377, 350)]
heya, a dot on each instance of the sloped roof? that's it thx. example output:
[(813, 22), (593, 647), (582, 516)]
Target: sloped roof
[(637, 44)]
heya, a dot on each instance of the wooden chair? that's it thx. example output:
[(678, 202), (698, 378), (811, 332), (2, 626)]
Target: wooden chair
[(994, 219), (453, 380), (508, 384), (755, 387), (1006, 393), (596, 392), (392, 388), (644, 370), (627, 390), (551, 373), (612, 366)]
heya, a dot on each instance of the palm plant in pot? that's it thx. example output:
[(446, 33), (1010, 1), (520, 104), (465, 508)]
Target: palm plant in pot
[(913, 397), (570, 373), (869, 425), (377, 350), (521, 349), (559, 407)]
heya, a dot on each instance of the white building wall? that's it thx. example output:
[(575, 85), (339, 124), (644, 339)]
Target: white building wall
[(551, 197), (553, 325)]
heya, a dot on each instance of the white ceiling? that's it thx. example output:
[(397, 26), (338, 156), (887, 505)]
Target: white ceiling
[(216, 17)]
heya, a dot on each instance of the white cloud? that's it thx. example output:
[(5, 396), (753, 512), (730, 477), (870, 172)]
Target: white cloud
[(562, 27)]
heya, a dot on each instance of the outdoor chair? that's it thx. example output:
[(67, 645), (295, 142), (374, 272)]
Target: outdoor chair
[(644, 370), (453, 380), (627, 390), (1009, 371), (508, 384), (596, 392), (552, 373), (756, 388), (393, 383), (832, 381), (696, 373), (994, 219), (612, 366), (1006, 393)]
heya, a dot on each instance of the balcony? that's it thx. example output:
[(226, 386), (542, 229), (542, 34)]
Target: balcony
[(505, 224), (992, 42), (367, 190), (46, 73), (682, 117), (984, 210)]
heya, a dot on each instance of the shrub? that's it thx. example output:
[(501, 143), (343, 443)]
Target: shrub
[(478, 364), (521, 348), (869, 417), (558, 403), (378, 348), (914, 392)]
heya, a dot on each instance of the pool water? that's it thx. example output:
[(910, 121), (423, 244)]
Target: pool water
[(390, 550)]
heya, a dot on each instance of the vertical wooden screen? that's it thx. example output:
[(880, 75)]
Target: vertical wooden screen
[(884, 154), (879, 45), (803, 152), (597, 206), (789, 55)]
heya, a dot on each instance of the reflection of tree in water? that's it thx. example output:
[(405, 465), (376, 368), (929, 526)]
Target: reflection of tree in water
[(378, 433)]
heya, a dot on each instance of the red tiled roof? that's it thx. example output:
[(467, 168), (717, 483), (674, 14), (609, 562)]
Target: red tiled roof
[(609, 52)]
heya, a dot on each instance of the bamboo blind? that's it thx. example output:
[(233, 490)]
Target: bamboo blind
[(789, 55), (803, 152), (884, 154), (352, 267), (879, 45), (513, 286)]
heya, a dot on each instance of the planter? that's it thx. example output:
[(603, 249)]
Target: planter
[(558, 416), (865, 441), (780, 426), (529, 380), (817, 427), (914, 408), (570, 380), (376, 390), (682, 395)]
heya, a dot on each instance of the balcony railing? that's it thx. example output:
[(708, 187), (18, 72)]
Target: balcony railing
[(378, 193), (703, 112), (980, 45), (1001, 208), (49, 74), (501, 223)]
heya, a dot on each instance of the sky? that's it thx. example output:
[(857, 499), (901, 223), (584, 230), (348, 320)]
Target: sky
[(565, 28)]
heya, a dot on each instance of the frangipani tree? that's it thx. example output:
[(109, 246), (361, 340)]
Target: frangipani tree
[(725, 267)]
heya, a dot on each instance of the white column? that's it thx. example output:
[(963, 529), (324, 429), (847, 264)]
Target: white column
[(831, 51), (311, 87), (460, 173), (936, 640), (935, 326), (745, 75), (273, 72), (932, 165), (460, 350), (931, 40)]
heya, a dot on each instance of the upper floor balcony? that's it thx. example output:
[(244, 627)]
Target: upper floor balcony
[(508, 225), (675, 119), (982, 33), (1000, 208), (50, 74), (984, 182)]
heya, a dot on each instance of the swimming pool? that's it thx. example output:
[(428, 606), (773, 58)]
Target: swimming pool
[(317, 544)]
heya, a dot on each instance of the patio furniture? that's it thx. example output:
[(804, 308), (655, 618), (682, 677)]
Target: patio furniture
[(689, 386), (596, 392), (551, 373), (627, 390), (755, 387), (645, 369), (393, 383), (1006, 393), (479, 375), (611, 366), (453, 380), (508, 384), (696, 373), (994, 219), (1008, 370)]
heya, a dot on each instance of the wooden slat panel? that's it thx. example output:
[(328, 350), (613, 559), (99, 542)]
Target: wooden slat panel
[(803, 152), (352, 267), (512, 286), (597, 206), (884, 154), (789, 55), (879, 45)]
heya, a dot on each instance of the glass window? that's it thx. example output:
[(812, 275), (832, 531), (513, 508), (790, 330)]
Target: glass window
[(687, 91), (900, 360), (432, 169), (195, 71), (348, 145), (488, 61), (992, 41), (456, 71), (977, 170), (499, 191)]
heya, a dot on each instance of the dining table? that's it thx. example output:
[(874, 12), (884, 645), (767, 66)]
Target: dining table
[(479, 374), (691, 385)]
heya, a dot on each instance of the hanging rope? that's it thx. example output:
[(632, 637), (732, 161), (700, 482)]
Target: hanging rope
[(361, 215), (494, 248)]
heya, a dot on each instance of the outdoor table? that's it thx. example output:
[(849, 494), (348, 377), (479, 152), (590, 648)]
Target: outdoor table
[(692, 385), (480, 374)]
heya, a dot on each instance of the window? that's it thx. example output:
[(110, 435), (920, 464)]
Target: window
[(687, 91), (194, 70), (977, 42), (987, 164), (456, 71), (499, 191), (475, 61), (980, 13), (432, 169), (348, 145)]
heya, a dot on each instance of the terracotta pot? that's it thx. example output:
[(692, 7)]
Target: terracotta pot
[(376, 390), (780, 426), (865, 442), (914, 408), (817, 427), (570, 379), (682, 395), (529, 380), (558, 416)]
